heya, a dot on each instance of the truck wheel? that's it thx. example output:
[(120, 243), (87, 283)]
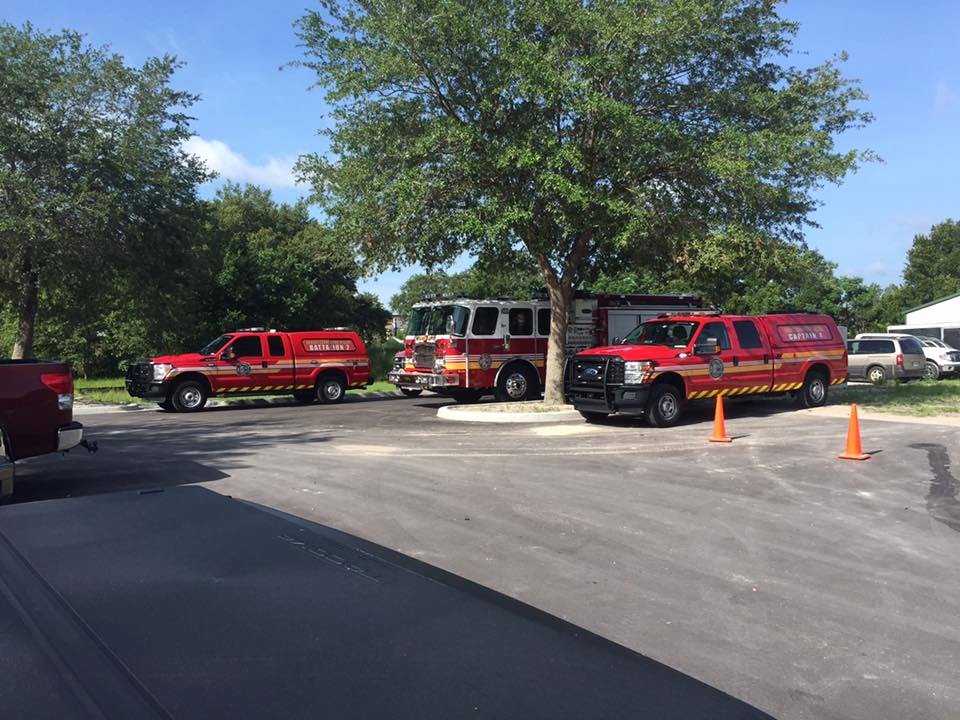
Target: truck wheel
[(814, 390), (594, 417), (931, 371), (304, 397), (516, 384), (167, 405), (189, 396), (411, 393), (331, 389), (876, 374), (665, 406)]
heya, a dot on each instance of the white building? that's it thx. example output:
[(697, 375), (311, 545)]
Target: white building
[(939, 312)]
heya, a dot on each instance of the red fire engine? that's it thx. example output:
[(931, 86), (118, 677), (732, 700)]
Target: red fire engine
[(465, 348)]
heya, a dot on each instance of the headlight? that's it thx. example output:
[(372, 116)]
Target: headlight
[(160, 370), (634, 373)]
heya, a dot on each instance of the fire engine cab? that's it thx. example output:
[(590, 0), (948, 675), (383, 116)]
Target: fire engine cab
[(464, 348), (673, 359), (312, 365)]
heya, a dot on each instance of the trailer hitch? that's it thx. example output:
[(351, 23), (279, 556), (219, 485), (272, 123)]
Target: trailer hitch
[(90, 445)]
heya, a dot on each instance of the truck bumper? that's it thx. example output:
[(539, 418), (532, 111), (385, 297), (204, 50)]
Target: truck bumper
[(950, 368), (69, 436), (150, 390), (418, 380), (626, 399)]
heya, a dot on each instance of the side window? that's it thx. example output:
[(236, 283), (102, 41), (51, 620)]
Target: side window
[(747, 334), (485, 320), (716, 330), (521, 321), (247, 347), (276, 346), (910, 346), (543, 321), (853, 347)]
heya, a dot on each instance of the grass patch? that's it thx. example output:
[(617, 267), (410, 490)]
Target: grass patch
[(923, 398)]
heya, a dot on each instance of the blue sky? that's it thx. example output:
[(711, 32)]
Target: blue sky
[(254, 119)]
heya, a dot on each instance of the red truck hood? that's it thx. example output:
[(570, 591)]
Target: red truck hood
[(637, 352), (182, 359)]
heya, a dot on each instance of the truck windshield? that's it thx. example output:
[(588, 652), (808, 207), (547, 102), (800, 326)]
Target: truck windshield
[(672, 334), (212, 347), (432, 320)]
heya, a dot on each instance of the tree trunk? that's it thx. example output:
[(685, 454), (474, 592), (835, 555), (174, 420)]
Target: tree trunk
[(561, 298), (27, 307)]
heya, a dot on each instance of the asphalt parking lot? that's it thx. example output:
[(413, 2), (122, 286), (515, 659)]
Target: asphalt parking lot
[(804, 585)]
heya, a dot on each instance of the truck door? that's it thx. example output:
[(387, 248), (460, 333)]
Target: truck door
[(244, 371), (752, 370), (278, 366), (719, 371)]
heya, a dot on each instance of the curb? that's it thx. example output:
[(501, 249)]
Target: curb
[(98, 409), (461, 413)]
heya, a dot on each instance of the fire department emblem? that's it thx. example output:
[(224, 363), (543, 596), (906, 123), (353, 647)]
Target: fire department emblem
[(243, 369), (716, 368), (485, 362)]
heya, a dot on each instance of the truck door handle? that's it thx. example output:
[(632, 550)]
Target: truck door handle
[(213, 365), (766, 359), (736, 361), (264, 363), (314, 362)]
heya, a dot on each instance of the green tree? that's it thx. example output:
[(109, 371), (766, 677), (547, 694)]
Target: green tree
[(572, 130), (933, 265), (90, 167)]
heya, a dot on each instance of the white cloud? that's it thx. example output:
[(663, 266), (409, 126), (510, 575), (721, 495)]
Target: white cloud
[(945, 97), (878, 268), (230, 165)]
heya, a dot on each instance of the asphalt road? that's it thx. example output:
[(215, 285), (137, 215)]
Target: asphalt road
[(807, 586)]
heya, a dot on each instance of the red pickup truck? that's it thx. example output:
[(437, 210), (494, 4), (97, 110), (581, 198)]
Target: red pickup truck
[(36, 413), (311, 365)]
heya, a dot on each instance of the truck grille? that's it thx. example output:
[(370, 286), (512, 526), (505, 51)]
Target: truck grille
[(424, 355), (140, 372), (953, 356), (597, 371)]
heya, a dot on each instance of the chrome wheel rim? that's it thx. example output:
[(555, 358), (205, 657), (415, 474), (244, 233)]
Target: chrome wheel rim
[(190, 397), (667, 406), (332, 390), (817, 390), (516, 386), (876, 375)]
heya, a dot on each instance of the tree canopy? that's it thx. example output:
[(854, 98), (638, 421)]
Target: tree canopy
[(92, 168), (577, 131), (933, 265)]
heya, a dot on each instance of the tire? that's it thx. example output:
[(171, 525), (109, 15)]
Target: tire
[(814, 391), (666, 405), (465, 396), (167, 405), (189, 396), (331, 389), (516, 384), (931, 371), (876, 374), (411, 393), (304, 397), (595, 418)]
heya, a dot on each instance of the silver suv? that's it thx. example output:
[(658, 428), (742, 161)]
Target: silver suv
[(941, 358), (880, 356)]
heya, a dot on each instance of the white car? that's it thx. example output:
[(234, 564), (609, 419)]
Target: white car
[(941, 359)]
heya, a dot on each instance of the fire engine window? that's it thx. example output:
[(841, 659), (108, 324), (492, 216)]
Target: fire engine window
[(485, 320), (747, 334), (276, 346), (247, 347), (521, 321), (716, 330), (543, 321)]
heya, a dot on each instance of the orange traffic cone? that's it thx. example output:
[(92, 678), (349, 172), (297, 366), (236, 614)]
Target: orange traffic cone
[(854, 448), (719, 426)]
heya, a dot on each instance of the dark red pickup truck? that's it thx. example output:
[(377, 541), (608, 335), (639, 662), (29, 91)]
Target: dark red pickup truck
[(36, 413)]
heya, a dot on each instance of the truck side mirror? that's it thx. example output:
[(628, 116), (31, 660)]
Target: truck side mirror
[(706, 346), (617, 340), (228, 356)]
